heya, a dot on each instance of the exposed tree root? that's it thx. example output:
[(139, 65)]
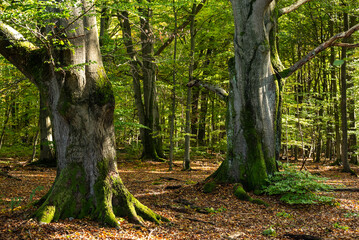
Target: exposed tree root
[(71, 196)]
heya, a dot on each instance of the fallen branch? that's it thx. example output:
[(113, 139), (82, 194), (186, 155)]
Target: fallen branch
[(302, 236), (4, 174), (345, 190)]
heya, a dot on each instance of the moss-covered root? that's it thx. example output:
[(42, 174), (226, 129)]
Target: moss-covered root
[(70, 197), (241, 194), (209, 187), (126, 205)]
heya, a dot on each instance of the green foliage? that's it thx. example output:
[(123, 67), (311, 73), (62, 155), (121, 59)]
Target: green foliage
[(209, 187), (270, 232), (190, 182), (38, 188), (15, 202), (351, 215), (284, 214), (337, 225), (298, 187), (213, 210)]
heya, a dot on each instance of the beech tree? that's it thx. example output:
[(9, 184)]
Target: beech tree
[(65, 64), (253, 101)]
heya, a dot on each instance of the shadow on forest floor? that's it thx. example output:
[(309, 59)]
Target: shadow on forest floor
[(217, 215)]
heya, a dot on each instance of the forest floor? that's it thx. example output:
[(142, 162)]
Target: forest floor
[(178, 196)]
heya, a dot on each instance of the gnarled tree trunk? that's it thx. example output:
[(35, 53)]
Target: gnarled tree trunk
[(82, 106)]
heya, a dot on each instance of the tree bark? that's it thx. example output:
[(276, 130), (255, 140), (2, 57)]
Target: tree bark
[(343, 104), (202, 118), (252, 100), (82, 105), (152, 142), (173, 107), (187, 157), (335, 100), (47, 151)]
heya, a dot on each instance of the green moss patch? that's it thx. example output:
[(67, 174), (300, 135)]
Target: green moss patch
[(209, 187), (240, 193)]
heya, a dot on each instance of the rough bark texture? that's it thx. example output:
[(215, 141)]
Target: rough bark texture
[(251, 116), (82, 106)]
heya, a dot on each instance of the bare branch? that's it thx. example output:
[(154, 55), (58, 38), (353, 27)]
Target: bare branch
[(292, 7), (180, 28), (221, 93), (320, 48), (347, 45)]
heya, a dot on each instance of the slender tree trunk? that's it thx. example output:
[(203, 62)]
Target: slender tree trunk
[(7, 117), (34, 144), (134, 70), (202, 118), (104, 24), (335, 100), (194, 114), (152, 142), (343, 104), (173, 115), (186, 160), (351, 107), (47, 151)]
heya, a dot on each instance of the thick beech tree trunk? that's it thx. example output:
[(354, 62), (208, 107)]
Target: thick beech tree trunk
[(251, 116), (82, 106)]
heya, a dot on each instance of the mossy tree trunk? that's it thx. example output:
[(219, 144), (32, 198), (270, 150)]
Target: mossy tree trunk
[(82, 106), (253, 98)]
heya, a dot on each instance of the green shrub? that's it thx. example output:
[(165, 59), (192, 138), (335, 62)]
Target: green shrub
[(270, 232), (298, 187)]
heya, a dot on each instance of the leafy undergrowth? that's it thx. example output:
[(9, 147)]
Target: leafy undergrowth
[(178, 195)]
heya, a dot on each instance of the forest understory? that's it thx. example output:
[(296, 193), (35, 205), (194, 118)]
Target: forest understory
[(178, 195)]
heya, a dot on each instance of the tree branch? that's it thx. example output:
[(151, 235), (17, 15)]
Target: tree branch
[(347, 45), (292, 7), (18, 50), (180, 28), (320, 48), (221, 93)]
